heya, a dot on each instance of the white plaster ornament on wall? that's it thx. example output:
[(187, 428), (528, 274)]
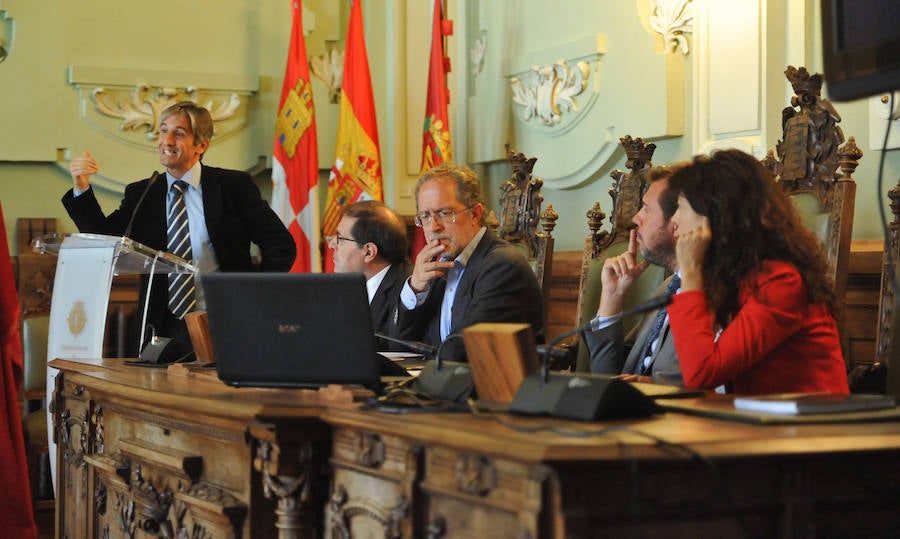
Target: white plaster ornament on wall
[(144, 104), (7, 32), (124, 106), (478, 52), (673, 19), (329, 68), (546, 92)]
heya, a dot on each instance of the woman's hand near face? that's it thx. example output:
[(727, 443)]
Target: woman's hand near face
[(690, 249)]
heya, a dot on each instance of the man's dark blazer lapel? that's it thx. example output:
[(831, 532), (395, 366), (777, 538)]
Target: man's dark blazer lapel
[(642, 332), (464, 290), (433, 303), (384, 302), (149, 226), (212, 201)]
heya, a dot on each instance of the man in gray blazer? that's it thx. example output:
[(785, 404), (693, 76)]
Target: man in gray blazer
[(650, 357), (465, 274)]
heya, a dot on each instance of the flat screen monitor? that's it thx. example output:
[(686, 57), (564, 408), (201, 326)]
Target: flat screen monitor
[(861, 47)]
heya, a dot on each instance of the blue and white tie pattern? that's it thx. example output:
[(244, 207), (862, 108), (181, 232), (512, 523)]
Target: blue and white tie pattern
[(181, 285), (644, 366)]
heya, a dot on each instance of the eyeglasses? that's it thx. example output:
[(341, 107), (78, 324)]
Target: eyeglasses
[(337, 239), (441, 216)]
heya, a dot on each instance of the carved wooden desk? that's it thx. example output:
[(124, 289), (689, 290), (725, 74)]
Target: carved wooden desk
[(675, 476), (145, 454)]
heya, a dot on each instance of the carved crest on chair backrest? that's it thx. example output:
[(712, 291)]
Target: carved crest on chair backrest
[(812, 149), (808, 152), (627, 190), (520, 202)]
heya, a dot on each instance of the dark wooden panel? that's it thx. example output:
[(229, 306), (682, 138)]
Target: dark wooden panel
[(560, 315), (861, 302)]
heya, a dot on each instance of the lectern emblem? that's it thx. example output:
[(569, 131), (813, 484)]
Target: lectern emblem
[(77, 318)]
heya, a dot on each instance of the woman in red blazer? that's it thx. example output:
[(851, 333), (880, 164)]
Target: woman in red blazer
[(754, 311)]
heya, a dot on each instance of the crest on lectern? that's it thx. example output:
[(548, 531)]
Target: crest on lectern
[(77, 318)]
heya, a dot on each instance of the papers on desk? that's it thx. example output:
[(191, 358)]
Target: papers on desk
[(410, 361), (664, 391), (396, 356), (812, 403)]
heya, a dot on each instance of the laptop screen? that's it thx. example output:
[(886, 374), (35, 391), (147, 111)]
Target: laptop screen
[(290, 329)]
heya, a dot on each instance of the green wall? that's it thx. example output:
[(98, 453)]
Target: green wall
[(44, 114)]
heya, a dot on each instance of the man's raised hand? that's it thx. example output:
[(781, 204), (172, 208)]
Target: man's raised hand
[(428, 266), (619, 273), (82, 168)]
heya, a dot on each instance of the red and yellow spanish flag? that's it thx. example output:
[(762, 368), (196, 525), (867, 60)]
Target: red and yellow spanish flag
[(356, 172), (16, 514), (295, 170), (436, 148)]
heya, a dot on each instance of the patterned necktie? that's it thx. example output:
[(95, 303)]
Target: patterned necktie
[(453, 277), (644, 367), (181, 285)]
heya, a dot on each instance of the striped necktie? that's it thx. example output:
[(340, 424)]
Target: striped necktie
[(181, 285), (643, 366)]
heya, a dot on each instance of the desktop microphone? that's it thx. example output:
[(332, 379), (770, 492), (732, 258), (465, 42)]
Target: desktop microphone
[(584, 396), (446, 380), (140, 201), (415, 346), (439, 379), (554, 353)]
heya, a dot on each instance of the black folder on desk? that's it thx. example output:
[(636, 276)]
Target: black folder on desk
[(291, 329)]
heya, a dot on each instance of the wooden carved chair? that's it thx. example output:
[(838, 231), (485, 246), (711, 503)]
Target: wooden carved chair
[(35, 271), (806, 166), (626, 192), (520, 212), (35, 331), (872, 378), (886, 302), (35, 275)]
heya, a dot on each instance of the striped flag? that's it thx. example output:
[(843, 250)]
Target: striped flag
[(295, 170), (356, 172), (436, 148)]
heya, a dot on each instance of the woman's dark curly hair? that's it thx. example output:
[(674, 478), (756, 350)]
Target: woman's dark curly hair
[(751, 220)]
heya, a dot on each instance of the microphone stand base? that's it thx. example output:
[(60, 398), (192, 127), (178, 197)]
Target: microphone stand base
[(452, 381), (583, 397), (164, 350)]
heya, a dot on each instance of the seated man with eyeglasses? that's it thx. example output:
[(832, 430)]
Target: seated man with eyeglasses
[(465, 274), (371, 239)]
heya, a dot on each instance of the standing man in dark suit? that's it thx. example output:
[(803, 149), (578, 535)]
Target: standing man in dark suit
[(465, 274), (371, 239), (224, 208), (654, 237)]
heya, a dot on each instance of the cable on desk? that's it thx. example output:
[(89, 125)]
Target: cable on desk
[(402, 399)]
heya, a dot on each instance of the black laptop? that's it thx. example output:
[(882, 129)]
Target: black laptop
[(291, 329)]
